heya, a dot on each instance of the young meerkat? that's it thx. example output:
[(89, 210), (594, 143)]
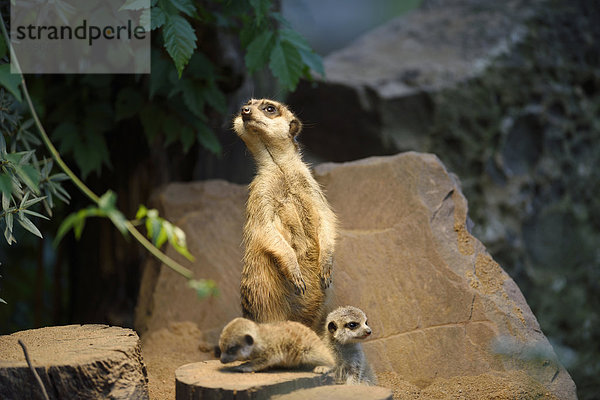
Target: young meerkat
[(346, 327), (285, 344), (290, 230)]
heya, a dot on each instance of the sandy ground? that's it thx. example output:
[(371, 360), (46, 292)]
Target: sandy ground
[(166, 350)]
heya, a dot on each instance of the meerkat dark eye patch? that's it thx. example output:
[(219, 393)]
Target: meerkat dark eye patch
[(217, 352), (232, 349), (352, 325), (270, 110)]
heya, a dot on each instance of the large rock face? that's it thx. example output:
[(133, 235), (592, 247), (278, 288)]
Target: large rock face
[(382, 87), (439, 305), (506, 93)]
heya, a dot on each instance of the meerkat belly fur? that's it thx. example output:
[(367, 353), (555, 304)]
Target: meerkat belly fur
[(346, 327), (290, 230), (285, 344)]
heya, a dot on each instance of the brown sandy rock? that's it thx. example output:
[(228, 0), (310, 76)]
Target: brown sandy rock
[(212, 216), (384, 83), (439, 305), (73, 362)]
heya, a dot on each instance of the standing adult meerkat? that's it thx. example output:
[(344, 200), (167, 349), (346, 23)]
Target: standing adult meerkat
[(290, 230), (286, 344), (346, 327)]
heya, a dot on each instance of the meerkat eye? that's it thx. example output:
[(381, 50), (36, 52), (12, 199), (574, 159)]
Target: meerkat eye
[(352, 325), (233, 349), (270, 108)]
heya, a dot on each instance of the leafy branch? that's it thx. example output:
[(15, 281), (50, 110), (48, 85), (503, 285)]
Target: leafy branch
[(106, 205)]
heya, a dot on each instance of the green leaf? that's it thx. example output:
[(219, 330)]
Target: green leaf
[(204, 287), (259, 51), (5, 184), (201, 67), (180, 40), (65, 227), (2, 145), (129, 103), (294, 38), (135, 5), (161, 238), (6, 200), (9, 222), (28, 175), (177, 240), (187, 138), (67, 134), (10, 239), (89, 156), (79, 223), (119, 220), (160, 68), (25, 156), (3, 47), (261, 9), (151, 118), (146, 20), (35, 214), (308, 56), (207, 138), (27, 224), (185, 6), (28, 203), (248, 33), (170, 128), (141, 212), (193, 98), (108, 200), (286, 64), (10, 81), (158, 18), (213, 96)]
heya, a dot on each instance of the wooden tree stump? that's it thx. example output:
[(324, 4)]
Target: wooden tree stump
[(211, 380), (339, 392), (73, 362)]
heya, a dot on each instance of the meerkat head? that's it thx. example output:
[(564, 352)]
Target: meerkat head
[(237, 340), (347, 325), (267, 123)]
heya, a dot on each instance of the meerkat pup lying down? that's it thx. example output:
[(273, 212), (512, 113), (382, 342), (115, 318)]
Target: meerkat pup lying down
[(284, 344), (345, 328)]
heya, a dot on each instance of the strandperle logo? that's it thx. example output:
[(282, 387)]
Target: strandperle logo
[(74, 36), (81, 32)]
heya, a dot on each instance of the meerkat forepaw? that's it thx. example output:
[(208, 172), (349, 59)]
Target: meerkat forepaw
[(322, 369), (245, 367), (300, 285), (325, 282)]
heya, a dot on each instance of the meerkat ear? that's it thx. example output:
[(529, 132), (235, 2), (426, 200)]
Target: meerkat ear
[(249, 340), (332, 327), (295, 127)]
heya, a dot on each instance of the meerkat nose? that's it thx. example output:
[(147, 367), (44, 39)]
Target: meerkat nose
[(368, 332), (246, 111)]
